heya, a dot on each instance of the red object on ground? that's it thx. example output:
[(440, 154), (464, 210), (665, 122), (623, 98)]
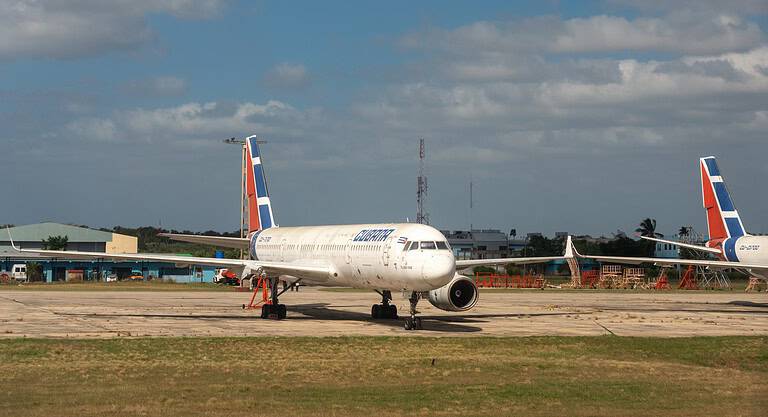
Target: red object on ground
[(261, 285), (688, 282), (662, 283), (589, 279), (491, 280)]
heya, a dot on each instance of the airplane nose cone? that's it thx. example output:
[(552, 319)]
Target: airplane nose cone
[(439, 271)]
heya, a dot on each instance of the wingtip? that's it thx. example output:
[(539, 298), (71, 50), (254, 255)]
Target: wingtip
[(570, 249)]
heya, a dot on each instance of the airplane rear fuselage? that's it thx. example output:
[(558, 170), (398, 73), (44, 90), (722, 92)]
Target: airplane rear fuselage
[(744, 249)]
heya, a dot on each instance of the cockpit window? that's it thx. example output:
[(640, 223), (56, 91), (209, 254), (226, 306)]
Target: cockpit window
[(428, 245), (414, 246), (442, 245)]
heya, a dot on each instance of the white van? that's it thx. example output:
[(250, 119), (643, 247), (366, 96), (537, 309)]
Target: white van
[(19, 272)]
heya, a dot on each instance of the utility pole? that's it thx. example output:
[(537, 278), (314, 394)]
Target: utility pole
[(421, 188), (471, 203), (243, 197)]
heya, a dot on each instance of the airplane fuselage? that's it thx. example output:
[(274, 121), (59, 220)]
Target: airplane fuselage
[(744, 249), (375, 256)]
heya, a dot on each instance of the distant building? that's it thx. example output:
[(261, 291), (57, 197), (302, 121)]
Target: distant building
[(478, 243), (88, 240), (80, 239), (667, 250)]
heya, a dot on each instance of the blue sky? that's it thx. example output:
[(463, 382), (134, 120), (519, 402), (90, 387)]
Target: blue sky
[(576, 116)]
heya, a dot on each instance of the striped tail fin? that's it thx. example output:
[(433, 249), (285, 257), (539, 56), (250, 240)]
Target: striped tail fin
[(260, 215), (723, 220)]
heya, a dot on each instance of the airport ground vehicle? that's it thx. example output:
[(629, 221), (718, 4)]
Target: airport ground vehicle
[(17, 273), (135, 276), (226, 276)]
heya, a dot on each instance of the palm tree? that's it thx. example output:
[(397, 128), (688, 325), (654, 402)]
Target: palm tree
[(648, 228), (683, 232)]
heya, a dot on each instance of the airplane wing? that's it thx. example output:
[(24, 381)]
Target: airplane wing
[(314, 271), (665, 261), (569, 254), (672, 261), (465, 263), (224, 242)]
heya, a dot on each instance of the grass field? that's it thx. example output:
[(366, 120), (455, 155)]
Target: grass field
[(603, 376)]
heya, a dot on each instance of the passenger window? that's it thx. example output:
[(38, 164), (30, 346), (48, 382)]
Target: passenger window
[(428, 245), (442, 245)]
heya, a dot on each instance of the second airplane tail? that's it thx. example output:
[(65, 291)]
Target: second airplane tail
[(723, 220), (260, 215)]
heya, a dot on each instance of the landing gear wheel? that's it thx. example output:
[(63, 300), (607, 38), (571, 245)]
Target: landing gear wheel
[(413, 323), (392, 311), (384, 311), (273, 311)]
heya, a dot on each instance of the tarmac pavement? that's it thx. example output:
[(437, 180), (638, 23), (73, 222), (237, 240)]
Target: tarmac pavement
[(316, 312)]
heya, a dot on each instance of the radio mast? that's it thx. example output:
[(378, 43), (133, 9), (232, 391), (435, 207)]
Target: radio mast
[(421, 188)]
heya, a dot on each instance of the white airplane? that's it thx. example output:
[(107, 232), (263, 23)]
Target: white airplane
[(728, 240), (413, 258)]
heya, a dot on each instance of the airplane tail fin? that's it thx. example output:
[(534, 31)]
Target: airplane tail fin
[(260, 215), (723, 220)]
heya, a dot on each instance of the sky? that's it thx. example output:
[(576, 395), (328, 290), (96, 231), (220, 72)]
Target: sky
[(579, 116)]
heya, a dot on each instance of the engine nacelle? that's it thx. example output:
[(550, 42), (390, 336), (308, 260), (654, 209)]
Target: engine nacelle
[(459, 295)]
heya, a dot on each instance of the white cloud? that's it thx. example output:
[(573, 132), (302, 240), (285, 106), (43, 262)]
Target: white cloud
[(189, 121), (649, 103), (59, 29), (683, 32), (99, 130), (730, 6), (287, 75)]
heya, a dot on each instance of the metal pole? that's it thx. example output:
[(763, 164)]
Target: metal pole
[(242, 196)]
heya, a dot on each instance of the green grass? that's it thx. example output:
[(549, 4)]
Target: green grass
[(603, 376), (115, 286)]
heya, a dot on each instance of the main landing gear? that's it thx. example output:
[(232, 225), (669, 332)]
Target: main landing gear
[(274, 310), (413, 322), (385, 310)]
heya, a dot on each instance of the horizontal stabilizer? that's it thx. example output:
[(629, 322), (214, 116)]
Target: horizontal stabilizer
[(224, 242), (685, 245)]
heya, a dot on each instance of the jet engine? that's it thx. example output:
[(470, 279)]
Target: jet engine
[(459, 295)]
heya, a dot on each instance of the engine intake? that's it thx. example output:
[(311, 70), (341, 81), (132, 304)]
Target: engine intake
[(459, 295)]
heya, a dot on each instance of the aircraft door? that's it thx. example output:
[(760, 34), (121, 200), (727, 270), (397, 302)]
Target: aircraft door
[(348, 251), (385, 251)]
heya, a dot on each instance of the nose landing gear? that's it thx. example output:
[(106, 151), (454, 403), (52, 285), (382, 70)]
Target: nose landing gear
[(385, 310), (413, 322)]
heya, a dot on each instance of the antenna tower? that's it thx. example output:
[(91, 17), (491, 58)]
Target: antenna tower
[(421, 188)]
